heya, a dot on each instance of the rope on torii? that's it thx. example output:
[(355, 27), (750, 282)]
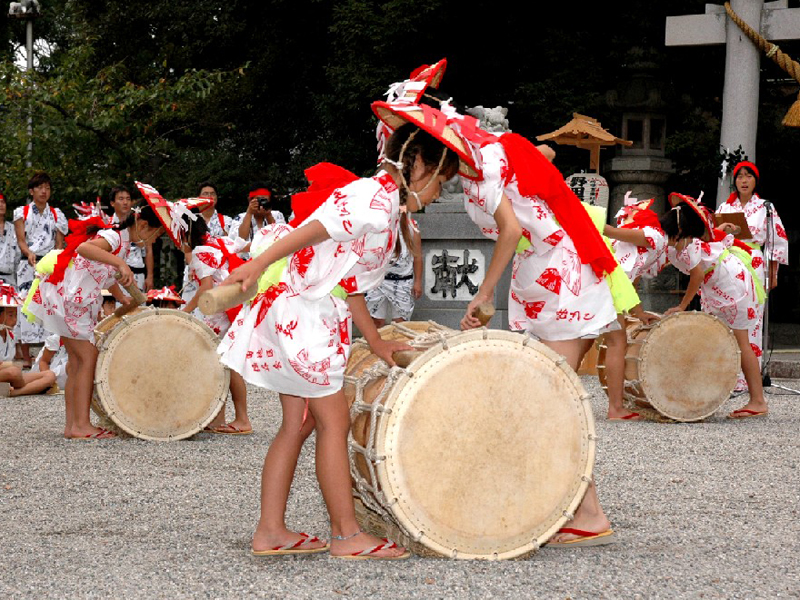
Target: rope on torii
[(783, 60)]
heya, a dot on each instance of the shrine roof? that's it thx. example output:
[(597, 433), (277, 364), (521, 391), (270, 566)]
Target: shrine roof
[(582, 131)]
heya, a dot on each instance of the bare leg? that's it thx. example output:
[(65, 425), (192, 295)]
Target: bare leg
[(13, 376), (572, 350), (379, 322), (589, 516), (25, 353), (239, 395), (616, 347), (333, 473), (84, 353), (752, 373), (276, 478), (35, 383)]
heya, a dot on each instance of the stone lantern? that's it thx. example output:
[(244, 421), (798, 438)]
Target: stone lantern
[(642, 167)]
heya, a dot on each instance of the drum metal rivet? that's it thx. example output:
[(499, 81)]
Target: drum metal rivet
[(586, 478), (495, 556), (454, 553), (568, 515)]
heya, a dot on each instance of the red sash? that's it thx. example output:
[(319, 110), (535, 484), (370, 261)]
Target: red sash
[(537, 176), (323, 179), (234, 261)]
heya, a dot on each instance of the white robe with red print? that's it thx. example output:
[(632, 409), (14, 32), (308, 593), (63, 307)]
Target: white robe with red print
[(777, 250), (637, 261), (294, 338), (209, 261), (727, 290), (553, 295), (71, 308)]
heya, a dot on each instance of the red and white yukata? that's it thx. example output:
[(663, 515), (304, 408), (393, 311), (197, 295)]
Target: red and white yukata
[(553, 295), (635, 260), (212, 259), (71, 307), (727, 290), (778, 251), (294, 337)]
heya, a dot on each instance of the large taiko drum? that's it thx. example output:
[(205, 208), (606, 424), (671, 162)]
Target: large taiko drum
[(158, 376), (481, 448), (685, 365)]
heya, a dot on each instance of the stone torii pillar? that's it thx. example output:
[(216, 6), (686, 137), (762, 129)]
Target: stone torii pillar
[(776, 22)]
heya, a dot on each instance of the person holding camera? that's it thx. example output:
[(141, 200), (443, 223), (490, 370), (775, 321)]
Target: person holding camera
[(259, 213)]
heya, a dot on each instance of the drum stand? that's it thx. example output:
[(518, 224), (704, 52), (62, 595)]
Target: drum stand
[(765, 378)]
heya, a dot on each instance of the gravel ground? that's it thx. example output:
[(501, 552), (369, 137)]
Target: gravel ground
[(702, 510)]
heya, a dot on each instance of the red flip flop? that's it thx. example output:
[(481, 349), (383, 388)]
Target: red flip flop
[(634, 416), (370, 553), (585, 538), (746, 413)]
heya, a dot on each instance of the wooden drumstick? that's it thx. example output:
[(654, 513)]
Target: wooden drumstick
[(403, 358), (137, 298), (484, 313), (225, 297)]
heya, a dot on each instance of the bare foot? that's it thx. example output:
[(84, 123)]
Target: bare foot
[(595, 524), (364, 541), (264, 541)]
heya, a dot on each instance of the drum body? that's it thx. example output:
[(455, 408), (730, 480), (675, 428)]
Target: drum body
[(685, 366), (481, 448), (158, 376)]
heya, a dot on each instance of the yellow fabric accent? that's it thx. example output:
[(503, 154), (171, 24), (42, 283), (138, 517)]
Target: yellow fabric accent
[(272, 275), (48, 263), (45, 266), (522, 245), (622, 291), (27, 314), (747, 260)]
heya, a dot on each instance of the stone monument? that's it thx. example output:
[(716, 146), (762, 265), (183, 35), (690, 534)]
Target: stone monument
[(455, 254)]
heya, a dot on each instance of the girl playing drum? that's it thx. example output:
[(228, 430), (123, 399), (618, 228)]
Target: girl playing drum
[(640, 247), (210, 263), (294, 337), (68, 300), (558, 293), (729, 287)]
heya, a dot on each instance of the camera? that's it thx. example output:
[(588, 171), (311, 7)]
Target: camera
[(264, 202)]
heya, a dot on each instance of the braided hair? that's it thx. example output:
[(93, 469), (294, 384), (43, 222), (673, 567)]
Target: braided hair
[(404, 146), (683, 222)]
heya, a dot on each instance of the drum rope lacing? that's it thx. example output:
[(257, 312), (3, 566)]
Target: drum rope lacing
[(371, 495)]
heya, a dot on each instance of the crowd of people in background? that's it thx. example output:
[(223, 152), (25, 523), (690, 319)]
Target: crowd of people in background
[(38, 228)]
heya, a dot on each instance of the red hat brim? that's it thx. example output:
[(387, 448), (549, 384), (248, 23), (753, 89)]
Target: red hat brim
[(432, 121)]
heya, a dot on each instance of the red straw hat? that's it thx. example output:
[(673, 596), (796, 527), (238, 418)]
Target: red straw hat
[(432, 121), (170, 213), (166, 293), (412, 89), (705, 214)]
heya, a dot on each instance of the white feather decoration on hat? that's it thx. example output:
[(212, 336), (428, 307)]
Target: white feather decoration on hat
[(176, 211)]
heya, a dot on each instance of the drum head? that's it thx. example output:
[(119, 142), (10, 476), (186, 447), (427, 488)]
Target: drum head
[(688, 365), (158, 376), (488, 444)]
